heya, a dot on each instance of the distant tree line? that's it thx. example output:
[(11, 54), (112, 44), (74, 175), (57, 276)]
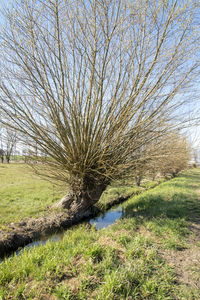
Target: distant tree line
[(166, 156)]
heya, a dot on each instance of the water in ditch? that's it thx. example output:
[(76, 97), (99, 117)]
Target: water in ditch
[(107, 219), (100, 222)]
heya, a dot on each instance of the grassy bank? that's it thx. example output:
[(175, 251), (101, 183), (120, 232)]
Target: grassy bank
[(24, 194), (131, 259)]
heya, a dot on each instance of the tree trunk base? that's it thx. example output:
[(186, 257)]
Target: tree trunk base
[(78, 203)]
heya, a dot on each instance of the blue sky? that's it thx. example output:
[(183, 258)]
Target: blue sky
[(193, 133), (3, 3)]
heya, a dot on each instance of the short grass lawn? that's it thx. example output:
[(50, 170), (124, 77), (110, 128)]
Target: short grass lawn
[(24, 194), (127, 260)]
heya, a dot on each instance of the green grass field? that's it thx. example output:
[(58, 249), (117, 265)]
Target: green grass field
[(24, 194), (132, 259)]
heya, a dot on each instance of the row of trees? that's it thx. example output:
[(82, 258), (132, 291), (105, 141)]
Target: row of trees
[(167, 156), (97, 85)]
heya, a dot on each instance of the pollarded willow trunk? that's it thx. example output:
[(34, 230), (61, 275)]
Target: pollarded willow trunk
[(138, 180), (79, 201)]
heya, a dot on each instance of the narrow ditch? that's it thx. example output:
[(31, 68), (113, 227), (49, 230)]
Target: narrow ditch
[(100, 222), (34, 232)]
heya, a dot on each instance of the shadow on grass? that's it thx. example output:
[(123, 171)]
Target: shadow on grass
[(173, 200), (153, 205), (189, 186), (192, 177)]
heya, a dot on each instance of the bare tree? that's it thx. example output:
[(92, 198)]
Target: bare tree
[(166, 156), (195, 156), (1, 149), (143, 161), (9, 142), (87, 81), (2, 155), (173, 155)]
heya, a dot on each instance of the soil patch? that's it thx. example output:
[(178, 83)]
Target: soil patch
[(18, 235), (186, 262)]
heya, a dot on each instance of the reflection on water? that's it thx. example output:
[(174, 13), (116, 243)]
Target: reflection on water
[(107, 219), (39, 242)]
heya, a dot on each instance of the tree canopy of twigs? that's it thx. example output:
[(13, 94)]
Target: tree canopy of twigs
[(89, 82), (166, 156), (175, 154)]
